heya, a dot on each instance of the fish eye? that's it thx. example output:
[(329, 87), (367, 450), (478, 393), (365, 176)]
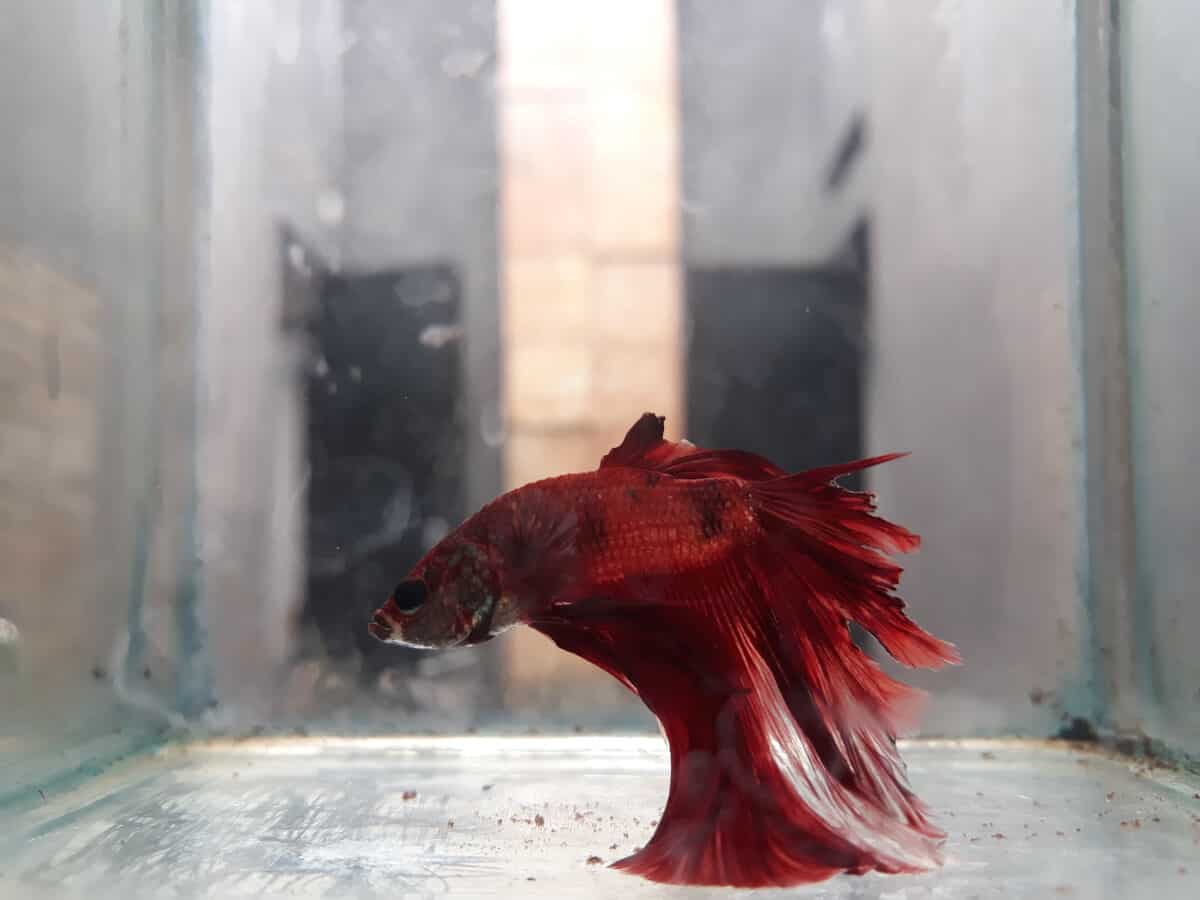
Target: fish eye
[(409, 595)]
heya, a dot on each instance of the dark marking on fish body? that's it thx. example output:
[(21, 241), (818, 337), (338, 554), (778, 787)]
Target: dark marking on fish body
[(593, 529), (652, 479), (710, 508), (634, 495)]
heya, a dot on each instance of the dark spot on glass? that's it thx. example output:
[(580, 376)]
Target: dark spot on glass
[(409, 595), (1078, 729)]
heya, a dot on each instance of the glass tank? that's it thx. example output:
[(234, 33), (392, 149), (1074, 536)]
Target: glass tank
[(291, 289)]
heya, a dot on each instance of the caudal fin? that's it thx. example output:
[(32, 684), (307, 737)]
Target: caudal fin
[(835, 540), (784, 766)]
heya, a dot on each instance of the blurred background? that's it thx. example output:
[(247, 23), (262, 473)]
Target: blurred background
[(288, 288)]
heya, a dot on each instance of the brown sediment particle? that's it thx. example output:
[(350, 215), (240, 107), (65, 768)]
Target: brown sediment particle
[(594, 860), (539, 821), (409, 795)]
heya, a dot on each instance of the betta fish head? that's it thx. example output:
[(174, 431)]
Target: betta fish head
[(452, 597)]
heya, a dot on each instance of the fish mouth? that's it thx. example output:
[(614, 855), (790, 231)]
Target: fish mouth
[(389, 626), (380, 628), (383, 625)]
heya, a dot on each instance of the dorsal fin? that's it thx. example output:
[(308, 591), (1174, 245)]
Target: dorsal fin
[(644, 447)]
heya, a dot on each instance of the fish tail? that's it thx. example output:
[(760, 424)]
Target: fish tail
[(839, 531), (785, 767)]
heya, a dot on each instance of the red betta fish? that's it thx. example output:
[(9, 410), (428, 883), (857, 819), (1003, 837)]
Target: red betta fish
[(718, 588)]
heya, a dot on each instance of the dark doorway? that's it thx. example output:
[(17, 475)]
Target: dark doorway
[(385, 447), (777, 356)]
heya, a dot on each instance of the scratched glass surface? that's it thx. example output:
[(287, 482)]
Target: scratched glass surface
[(289, 289)]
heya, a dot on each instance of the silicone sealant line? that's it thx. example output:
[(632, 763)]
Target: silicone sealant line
[(1114, 587), (176, 273), (140, 92), (195, 692), (1082, 692)]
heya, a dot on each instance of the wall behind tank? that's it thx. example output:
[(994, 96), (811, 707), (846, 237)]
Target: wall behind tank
[(973, 209), (273, 135), (767, 89), (420, 177), (589, 227)]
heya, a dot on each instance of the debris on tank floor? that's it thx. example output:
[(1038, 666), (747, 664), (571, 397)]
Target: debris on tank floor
[(372, 817)]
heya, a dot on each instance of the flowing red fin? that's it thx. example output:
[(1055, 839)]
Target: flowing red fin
[(836, 541), (833, 473), (784, 767), (645, 448), (771, 783), (718, 463)]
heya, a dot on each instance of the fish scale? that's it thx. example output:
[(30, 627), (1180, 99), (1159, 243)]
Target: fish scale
[(652, 526)]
